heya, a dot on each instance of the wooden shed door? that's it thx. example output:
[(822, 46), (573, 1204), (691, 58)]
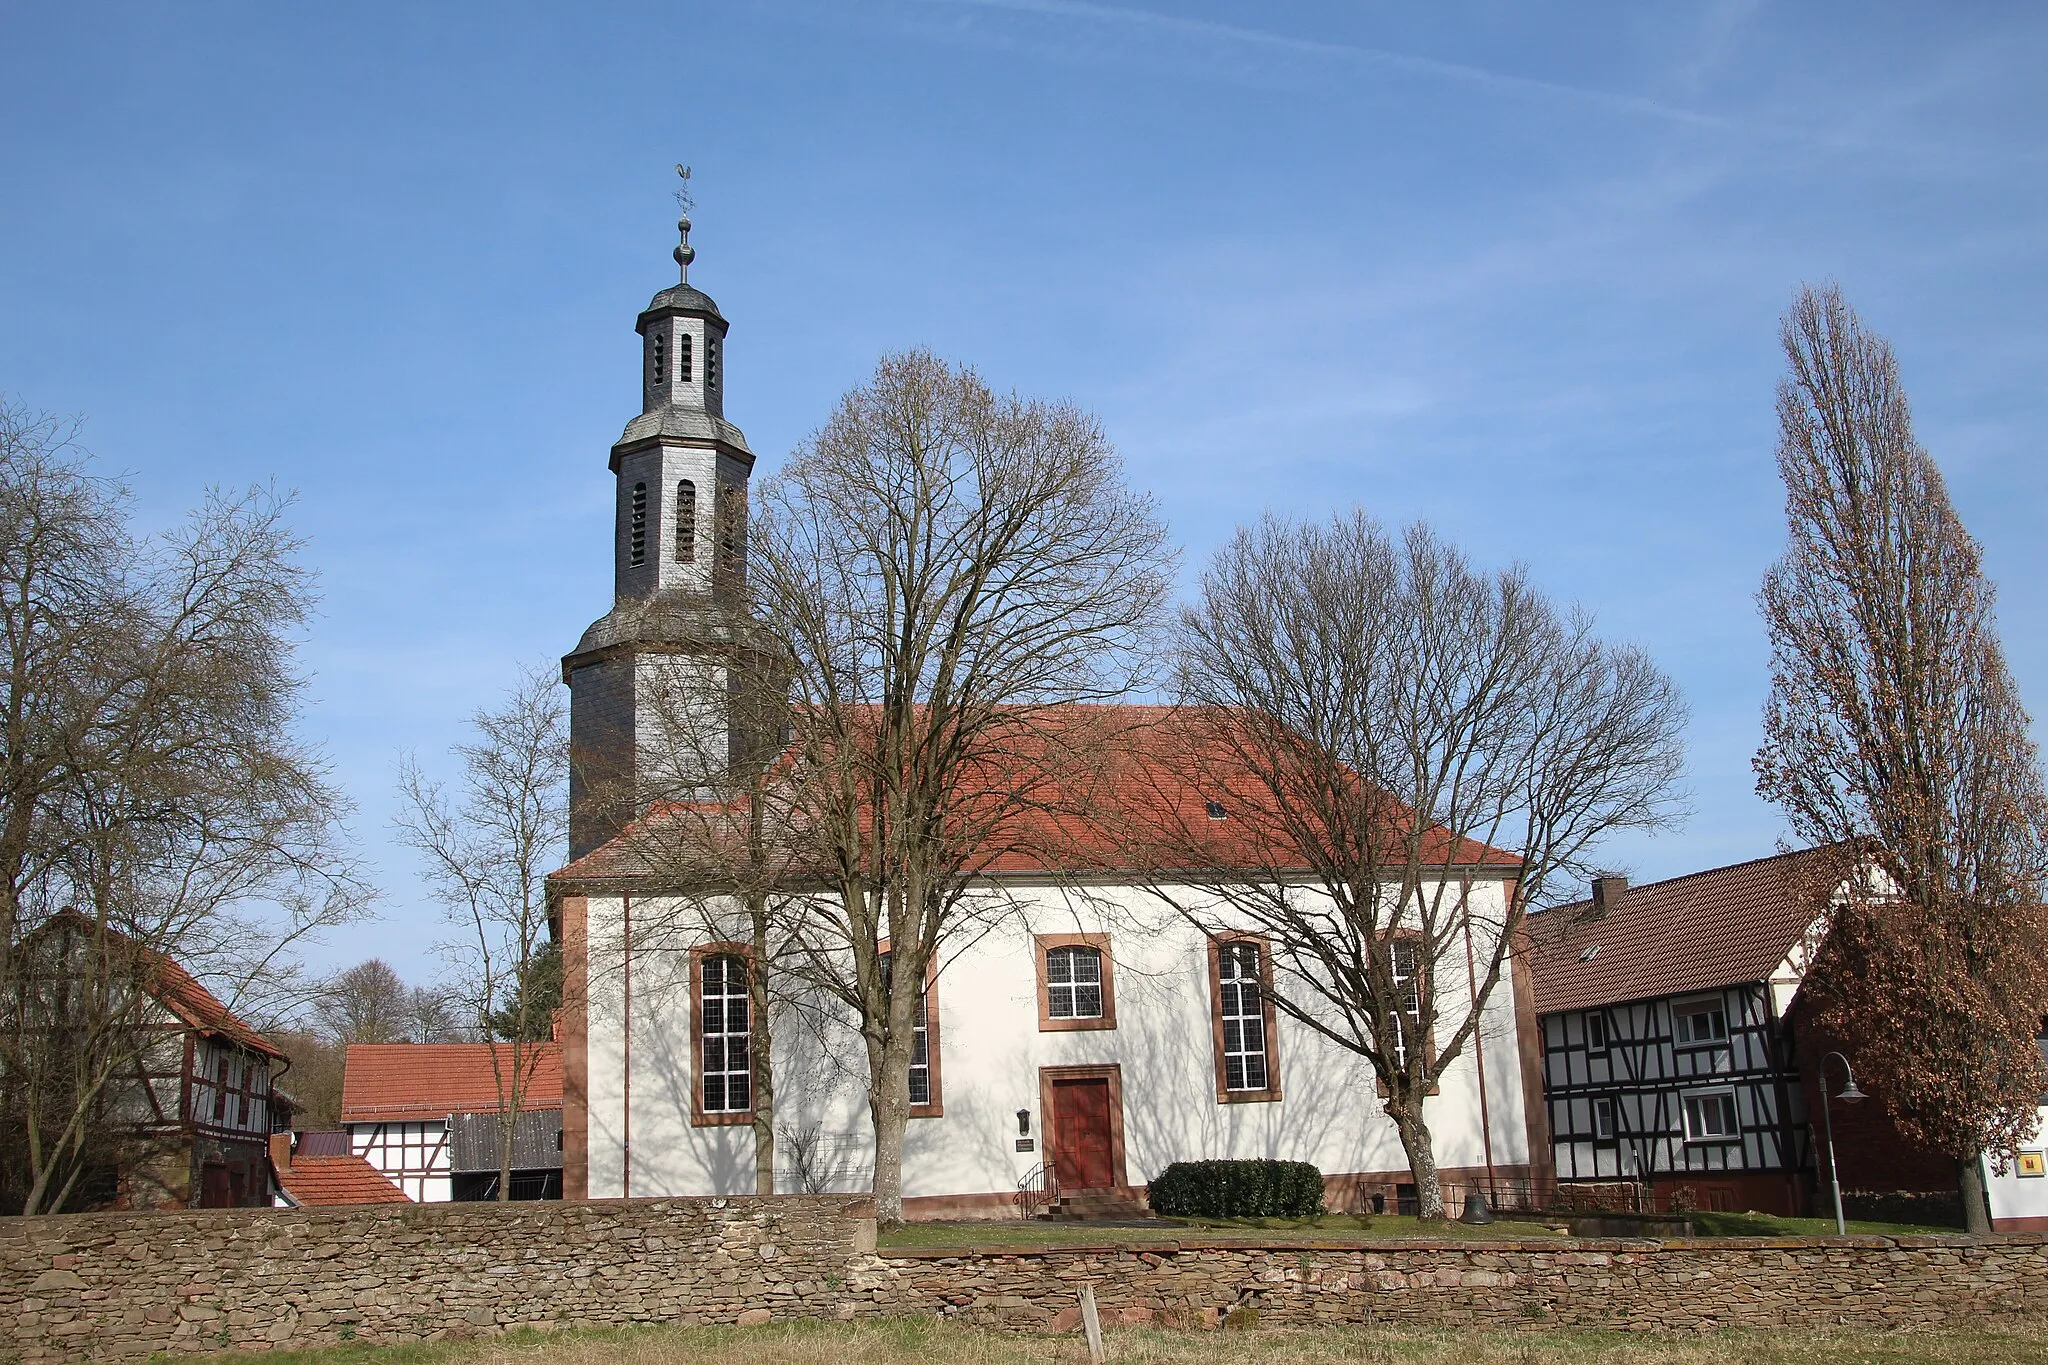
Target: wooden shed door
[(1080, 1133)]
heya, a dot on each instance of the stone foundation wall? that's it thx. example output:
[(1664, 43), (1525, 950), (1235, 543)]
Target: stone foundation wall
[(1801, 1283), (219, 1279)]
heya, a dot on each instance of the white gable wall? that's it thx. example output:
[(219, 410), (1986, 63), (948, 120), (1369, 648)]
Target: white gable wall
[(990, 1051)]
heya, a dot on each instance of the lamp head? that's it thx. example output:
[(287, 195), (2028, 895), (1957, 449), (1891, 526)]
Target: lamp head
[(1850, 1094)]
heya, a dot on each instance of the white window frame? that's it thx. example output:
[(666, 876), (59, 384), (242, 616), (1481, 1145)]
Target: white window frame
[(1241, 1005), (1596, 1019), (1684, 1011), (726, 1073), (1700, 1097), (1603, 1104), (1063, 994), (920, 1041)]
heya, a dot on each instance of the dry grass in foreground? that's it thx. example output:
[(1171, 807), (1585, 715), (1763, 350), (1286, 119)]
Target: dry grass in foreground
[(922, 1340)]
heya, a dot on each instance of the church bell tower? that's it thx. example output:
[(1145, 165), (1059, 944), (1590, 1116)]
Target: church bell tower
[(644, 720)]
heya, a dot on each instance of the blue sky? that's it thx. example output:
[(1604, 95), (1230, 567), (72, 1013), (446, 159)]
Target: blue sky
[(1515, 269)]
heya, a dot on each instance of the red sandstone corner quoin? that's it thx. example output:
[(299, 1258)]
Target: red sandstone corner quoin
[(132, 1284)]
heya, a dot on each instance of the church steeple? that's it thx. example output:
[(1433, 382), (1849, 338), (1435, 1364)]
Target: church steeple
[(679, 540)]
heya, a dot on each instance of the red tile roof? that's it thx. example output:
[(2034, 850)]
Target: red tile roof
[(1699, 932), (322, 1181), (393, 1082), (1133, 795), (176, 989)]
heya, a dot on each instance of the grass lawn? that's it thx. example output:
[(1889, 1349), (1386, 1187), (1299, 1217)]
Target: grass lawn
[(1770, 1225), (1330, 1226), (923, 1340)]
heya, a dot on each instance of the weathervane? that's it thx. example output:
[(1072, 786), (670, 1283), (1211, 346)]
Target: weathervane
[(684, 203)]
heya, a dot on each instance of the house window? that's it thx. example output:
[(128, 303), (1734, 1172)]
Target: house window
[(725, 1079), (1245, 1066), (1710, 1116), (1698, 1023), (924, 1072), (658, 362), (637, 524), (1076, 984), (686, 522), (1603, 1119), (683, 357), (1596, 1033)]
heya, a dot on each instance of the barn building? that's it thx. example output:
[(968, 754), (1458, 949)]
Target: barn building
[(427, 1116)]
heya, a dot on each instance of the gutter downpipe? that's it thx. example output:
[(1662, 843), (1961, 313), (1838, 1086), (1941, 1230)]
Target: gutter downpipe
[(1478, 1039), (626, 1076)]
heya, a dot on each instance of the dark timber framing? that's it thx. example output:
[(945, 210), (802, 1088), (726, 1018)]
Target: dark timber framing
[(1644, 1075)]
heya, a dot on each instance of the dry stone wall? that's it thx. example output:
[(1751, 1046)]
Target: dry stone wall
[(205, 1280)]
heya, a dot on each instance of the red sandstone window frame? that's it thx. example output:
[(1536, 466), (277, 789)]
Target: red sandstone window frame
[(1224, 1094), (936, 1107), (725, 1118), (1041, 944)]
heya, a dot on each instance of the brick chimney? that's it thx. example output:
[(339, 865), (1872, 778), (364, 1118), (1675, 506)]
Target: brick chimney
[(281, 1152), (1608, 889)]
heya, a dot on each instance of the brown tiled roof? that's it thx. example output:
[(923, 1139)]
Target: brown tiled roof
[(1151, 774), (394, 1082), (176, 989), (320, 1181), (1698, 932)]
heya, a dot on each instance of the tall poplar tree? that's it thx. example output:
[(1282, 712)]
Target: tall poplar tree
[(1895, 733)]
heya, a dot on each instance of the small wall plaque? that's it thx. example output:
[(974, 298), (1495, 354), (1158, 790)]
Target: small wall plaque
[(1031, 1145), (2032, 1164)]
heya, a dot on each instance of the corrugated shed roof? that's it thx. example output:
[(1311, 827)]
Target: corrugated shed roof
[(1699, 932), (324, 1181), (1133, 793), (393, 1082)]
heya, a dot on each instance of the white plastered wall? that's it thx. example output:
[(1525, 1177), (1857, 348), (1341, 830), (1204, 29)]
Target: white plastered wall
[(991, 1050), (2014, 1195)]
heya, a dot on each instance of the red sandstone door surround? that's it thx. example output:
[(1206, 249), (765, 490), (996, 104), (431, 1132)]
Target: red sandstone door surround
[(1084, 1119)]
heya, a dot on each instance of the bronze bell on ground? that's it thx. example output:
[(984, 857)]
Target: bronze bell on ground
[(1476, 1212)]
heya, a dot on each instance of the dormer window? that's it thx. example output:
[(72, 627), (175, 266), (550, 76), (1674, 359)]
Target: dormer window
[(686, 522), (1215, 810), (659, 361), (683, 357), (637, 525)]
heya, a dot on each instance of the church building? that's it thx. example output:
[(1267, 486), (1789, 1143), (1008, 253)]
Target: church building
[(1084, 1039)]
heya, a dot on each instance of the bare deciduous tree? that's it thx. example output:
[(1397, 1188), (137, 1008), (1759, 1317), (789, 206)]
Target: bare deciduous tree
[(939, 566), (487, 851), (148, 779), (365, 1004), (1380, 717), (1895, 733)]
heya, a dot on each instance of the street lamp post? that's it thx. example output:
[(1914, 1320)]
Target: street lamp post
[(1850, 1095)]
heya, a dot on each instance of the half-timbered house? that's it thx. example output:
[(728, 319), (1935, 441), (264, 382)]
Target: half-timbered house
[(1679, 1058), (191, 1097), (427, 1116)]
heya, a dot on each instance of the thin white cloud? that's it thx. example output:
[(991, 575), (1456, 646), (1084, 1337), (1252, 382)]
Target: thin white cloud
[(1210, 31)]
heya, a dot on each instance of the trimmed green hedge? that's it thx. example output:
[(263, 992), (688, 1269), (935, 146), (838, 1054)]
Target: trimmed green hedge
[(1237, 1189)]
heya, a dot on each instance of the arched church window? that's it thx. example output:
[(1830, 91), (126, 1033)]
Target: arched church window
[(637, 524), (686, 522), (659, 360), (683, 357)]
